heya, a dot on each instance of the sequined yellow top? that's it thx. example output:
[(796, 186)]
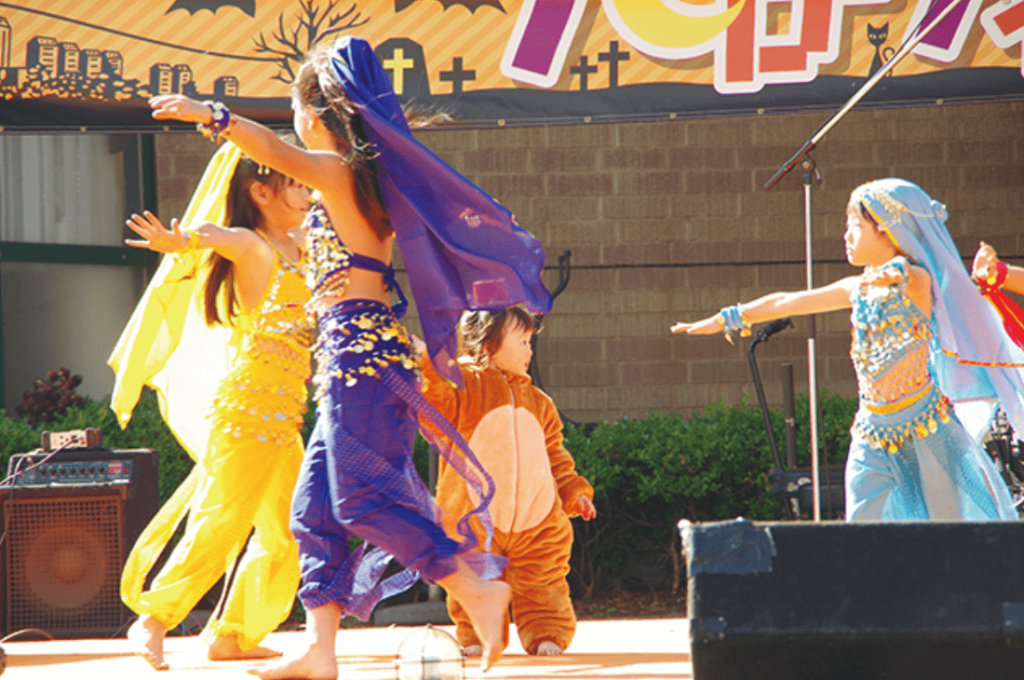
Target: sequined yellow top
[(264, 394)]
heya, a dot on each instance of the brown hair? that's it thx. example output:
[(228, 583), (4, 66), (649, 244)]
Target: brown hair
[(340, 117), (240, 211), (481, 333)]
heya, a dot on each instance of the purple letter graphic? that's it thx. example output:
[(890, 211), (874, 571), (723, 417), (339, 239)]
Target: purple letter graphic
[(540, 40)]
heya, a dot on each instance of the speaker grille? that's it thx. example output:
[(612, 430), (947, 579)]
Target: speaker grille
[(64, 557)]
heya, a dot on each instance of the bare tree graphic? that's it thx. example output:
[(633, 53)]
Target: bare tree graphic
[(310, 25)]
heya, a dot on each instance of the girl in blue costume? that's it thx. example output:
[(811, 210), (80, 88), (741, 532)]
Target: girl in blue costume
[(377, 186), (923, 340)]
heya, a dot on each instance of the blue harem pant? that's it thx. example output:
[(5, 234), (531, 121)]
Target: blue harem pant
[(944, 475)]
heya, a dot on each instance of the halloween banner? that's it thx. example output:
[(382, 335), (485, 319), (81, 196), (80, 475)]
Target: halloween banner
[(92, 64)]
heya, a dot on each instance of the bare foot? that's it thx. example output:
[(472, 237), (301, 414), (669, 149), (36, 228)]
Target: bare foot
[(487, 603), (147, 635), (548, 648), (314, 664), (226, 648), (472, 650)]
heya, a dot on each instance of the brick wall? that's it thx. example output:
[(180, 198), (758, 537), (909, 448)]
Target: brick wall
[(667, 221), (180, 161)]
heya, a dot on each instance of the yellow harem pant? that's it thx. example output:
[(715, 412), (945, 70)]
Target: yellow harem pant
[(243, 485)]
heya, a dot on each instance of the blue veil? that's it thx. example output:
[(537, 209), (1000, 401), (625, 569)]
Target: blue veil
[(461, 248), (972, 356)]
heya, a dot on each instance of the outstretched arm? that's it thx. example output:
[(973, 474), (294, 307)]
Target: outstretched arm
[(323, 170), (778, 305), (235, 245), (318, 169), (985, 270)]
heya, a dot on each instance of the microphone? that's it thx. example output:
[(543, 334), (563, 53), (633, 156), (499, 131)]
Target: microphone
[(773, 327)]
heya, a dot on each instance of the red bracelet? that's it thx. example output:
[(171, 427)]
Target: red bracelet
[(995, 282)]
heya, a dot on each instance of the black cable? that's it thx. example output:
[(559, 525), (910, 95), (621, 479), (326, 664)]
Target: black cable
[(24, 631), (10, 483)]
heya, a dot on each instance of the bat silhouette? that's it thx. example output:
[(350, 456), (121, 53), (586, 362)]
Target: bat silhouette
[(471, 5), (193, 6)]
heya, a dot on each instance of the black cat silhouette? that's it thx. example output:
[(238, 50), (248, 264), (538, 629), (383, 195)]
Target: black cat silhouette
[(877, 37)]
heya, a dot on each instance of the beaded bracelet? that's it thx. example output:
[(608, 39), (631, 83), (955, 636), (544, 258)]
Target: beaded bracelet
[(192, 241), (221, 120), (733, 321)]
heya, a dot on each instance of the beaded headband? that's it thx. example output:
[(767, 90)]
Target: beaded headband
[(874, 194)]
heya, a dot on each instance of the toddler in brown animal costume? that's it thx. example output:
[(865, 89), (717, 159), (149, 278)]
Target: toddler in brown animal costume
[(515, 431)]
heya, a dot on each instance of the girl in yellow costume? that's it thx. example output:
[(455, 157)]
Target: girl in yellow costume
[(222, 335)]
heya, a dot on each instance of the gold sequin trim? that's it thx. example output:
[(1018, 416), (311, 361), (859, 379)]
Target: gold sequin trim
[(891, 438)]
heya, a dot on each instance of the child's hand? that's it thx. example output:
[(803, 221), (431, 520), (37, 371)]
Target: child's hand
[(417, 344), (157, 237), (708, 326), (586, 508), (178, 107), (985, 261)]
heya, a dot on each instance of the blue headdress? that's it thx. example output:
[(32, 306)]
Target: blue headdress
[(461, 249), (973, 358)]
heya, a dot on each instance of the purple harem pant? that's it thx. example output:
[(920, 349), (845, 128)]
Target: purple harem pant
[(358, 478)]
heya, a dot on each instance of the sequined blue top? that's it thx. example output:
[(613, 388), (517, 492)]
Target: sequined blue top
[(890, 351)]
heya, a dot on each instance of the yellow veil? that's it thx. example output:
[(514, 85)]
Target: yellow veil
[(167, 344)]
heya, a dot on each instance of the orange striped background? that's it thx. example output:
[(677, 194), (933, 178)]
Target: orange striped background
[(478, 37)]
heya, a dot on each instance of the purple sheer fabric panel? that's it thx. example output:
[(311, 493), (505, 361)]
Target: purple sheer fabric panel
[(461, 248)]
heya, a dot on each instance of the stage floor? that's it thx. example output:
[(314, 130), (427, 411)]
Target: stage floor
[(653, 649)]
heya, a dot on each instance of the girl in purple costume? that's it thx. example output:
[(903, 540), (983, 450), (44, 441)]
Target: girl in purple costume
[(462, 250)]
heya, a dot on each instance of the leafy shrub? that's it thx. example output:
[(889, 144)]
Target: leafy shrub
[(833, 428), (650, 473), (147, 430), (647, 473)]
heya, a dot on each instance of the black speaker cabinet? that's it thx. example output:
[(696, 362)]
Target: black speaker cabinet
[(69, 525), (877, 600)]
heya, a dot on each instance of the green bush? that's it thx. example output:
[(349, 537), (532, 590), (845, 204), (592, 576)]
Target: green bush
[(650, 473), (833, 428), (147, 430), (647, 473)]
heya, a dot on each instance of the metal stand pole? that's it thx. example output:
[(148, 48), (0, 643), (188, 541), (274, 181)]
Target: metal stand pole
[(811, 175), (788, 405), (762, 336)]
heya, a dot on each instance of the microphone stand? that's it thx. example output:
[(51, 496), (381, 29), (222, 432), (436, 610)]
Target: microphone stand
[(762, 336), (811, 174)]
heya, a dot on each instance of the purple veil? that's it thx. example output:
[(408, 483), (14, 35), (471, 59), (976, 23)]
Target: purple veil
[(462, 249)]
